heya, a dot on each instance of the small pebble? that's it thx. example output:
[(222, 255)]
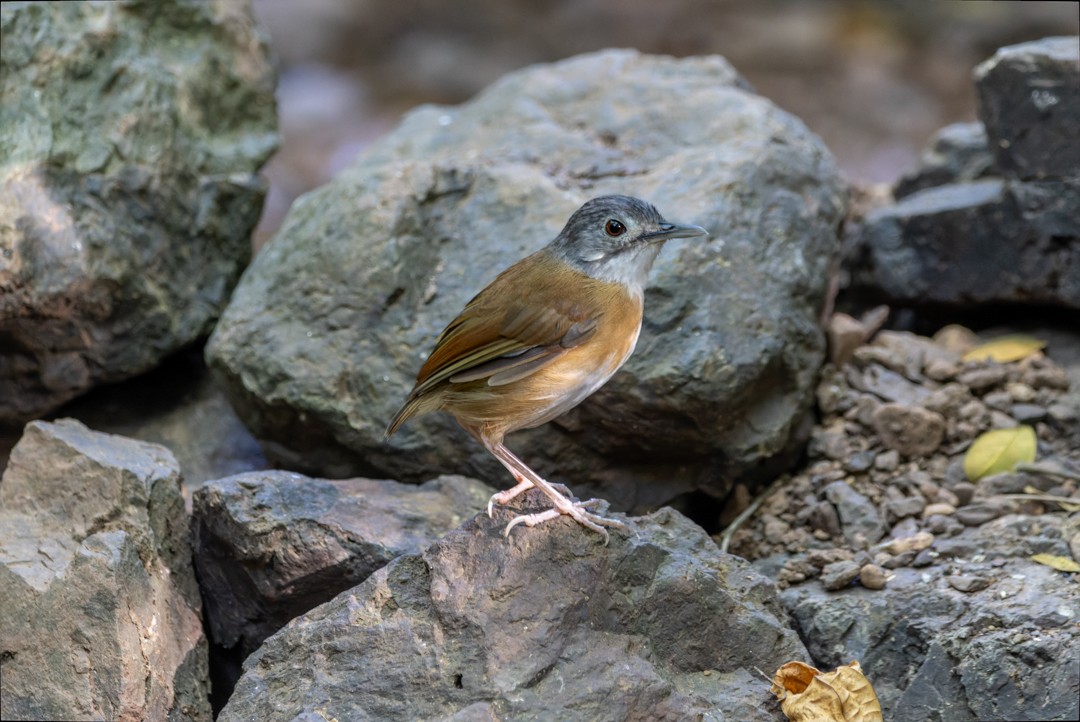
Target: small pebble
[(956, 548), (900, 560), (910, 430), (905, 528), (1000, 400), (964, 491), (974, 411), (948, 399), (908, 506), (956, 338), (1028, 413), (823, 517), (968, 583), (859, 462), (941, 370), (939, 508), (1004, 483), (887, 460), (1020, 393), (920, 541), (872, 576), (924, 558), (1053, 377), (947, 497), (938, 466), (775, 530), (839, 575), (979, 379), (1062, 413), (937, 524), (1001, 420), (978, 513)]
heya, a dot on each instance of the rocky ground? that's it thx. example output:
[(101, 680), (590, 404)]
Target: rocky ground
[(147, 550), (883, 508)]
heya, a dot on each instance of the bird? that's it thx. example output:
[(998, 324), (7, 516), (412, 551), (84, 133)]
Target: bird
[(544, 335)]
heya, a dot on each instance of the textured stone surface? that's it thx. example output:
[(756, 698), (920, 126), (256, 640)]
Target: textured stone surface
[(979, 224), (128, 187), (910, 430), (548, 625), (326, 331), (988, 240), (1029, 100), (957, 153), (270, 545), (100, 610), (988, 634)]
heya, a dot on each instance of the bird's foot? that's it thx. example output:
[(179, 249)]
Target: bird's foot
[(580, 511), (524, 485)]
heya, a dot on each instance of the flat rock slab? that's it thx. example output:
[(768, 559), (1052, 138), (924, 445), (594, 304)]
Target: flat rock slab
[(271, 545), (128, 186), (100, 610), (549, 624), (987, 634), (325, 333), (984, 241)]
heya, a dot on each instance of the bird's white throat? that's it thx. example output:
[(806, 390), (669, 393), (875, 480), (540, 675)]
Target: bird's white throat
[(629, 268)]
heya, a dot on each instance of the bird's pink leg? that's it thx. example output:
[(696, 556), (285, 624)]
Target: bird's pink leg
[(578, 510), (524, 483)]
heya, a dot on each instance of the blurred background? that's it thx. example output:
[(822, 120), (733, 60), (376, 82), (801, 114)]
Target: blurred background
[(873, 78)]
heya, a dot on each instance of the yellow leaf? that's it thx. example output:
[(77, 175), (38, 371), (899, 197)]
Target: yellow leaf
[(808, 695), (1062, 564), (1006, 349), (999, 450)]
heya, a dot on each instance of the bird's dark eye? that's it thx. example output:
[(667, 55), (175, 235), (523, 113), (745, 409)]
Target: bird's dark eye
[(614, 228)]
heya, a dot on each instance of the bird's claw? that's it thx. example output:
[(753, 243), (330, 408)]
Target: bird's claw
[(580, 511), (505, 496)]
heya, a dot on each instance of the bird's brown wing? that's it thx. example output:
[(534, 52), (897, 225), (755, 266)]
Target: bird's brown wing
[(504, 346), (502, 337)]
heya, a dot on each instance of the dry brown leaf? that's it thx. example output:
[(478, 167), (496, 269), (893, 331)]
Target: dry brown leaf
[(999, 450), (808, 695), (1062, 564), (1006, 349)]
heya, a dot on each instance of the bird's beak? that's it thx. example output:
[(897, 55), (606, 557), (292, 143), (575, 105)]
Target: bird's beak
[(673, 230)]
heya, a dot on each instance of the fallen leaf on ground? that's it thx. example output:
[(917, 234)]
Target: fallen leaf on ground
[(808, 695), (999, 450), (1006, 349), (1062, 564)]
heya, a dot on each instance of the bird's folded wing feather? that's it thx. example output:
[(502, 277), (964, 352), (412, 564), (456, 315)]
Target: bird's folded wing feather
[(504, 347)]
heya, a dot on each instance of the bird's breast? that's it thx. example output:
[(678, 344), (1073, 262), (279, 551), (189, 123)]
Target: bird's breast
[(579, 372)]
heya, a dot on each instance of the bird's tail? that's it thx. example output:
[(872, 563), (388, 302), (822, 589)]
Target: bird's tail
[(411, 407)]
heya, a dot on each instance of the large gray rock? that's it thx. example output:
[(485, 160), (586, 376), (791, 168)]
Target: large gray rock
[(550, 625), (1029, 100), (986, 634), (131, 136), (993, 212), (326, 331), (272, 545), (99, 610)]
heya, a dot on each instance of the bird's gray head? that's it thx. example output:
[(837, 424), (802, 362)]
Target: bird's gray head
[(616, 239)]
